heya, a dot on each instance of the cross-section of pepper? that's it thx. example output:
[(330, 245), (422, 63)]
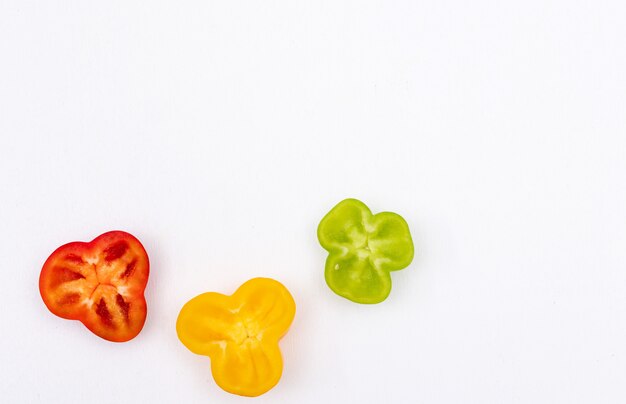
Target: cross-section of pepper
[(362, 249), (240, 334), (100, 283)]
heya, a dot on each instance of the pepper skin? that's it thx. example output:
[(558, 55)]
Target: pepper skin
[(99, 283), (240, 334), (363, 249)]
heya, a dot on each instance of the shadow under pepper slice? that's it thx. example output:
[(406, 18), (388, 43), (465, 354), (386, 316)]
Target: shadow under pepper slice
[(240, 334), (100, 283), (363, 248)]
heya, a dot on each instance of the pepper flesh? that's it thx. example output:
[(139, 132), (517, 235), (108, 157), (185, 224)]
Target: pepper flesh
[(363, 248), (100, 283), (240, 334)]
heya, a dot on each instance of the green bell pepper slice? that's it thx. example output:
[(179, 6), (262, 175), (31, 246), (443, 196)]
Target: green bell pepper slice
[(362, 249)]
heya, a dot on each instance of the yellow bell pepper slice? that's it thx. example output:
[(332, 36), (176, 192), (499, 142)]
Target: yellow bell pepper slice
[(240, 334)]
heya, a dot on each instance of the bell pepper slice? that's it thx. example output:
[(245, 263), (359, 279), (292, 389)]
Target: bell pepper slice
[(240, 334), (363, 248), (100, 283)]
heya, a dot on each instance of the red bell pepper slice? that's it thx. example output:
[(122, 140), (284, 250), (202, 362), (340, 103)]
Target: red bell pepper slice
[(100, 283)]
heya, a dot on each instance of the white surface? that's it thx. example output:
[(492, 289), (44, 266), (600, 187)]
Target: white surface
[(220, 133)]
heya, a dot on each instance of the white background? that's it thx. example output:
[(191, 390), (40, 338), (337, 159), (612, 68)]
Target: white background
[(220, 132)]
